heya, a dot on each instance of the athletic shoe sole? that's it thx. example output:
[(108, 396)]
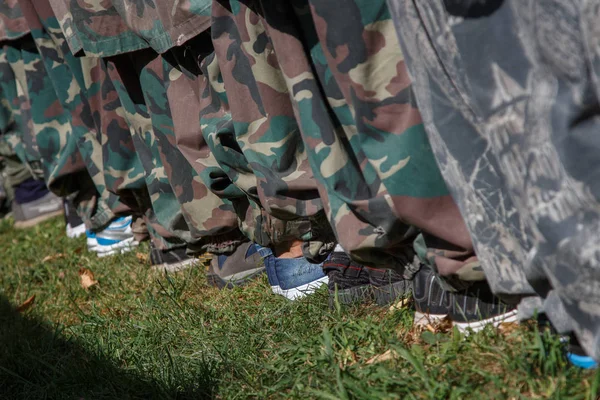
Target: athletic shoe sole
[(584, 362), (353, 295), (303, 290), (122, 247), (476, 326), (37, 220), (423, 319), (277, 290), (75, 232), (382, 295), (234, 280), (176, 267), (92, 244)]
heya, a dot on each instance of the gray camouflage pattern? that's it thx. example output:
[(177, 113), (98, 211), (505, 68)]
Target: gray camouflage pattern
[(521, 87)]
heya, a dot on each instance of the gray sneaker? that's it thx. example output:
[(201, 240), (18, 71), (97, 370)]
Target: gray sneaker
[(237, 268), (171, 260), (30, 214)]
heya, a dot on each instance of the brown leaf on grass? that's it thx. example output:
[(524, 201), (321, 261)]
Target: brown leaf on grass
[(142, 257), (86, 278), (400, 304), (26, 304), (508, 327), (53, 257), (433, 324), (388, 355)]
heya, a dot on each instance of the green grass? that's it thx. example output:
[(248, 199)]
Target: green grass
[(143, 334)]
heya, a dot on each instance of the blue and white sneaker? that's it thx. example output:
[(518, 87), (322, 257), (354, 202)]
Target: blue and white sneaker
[(576, 355), (91, 240), (115, 238), (582, 361), (292, 278)]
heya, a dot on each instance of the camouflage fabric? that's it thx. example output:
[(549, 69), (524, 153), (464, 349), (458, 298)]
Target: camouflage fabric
[(125, 139), (140, 93), (7, 193), (196, 89), (14, 117), (350, 117), (12, 22), (211, 216), (65, 134), (267, 159), (12, 170), (114, 27), (103, 135), (518, 81)]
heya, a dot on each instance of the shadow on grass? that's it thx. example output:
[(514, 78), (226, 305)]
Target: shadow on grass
[(38, 361)]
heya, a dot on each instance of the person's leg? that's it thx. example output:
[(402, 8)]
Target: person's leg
[(473, 173), (72, 151), (166, 218), (190, 94), (267, 137), (372, 195), (530, 208), (81, 143), (33, 202), (196, 88)]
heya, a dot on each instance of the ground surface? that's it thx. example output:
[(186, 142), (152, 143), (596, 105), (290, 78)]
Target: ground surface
[(143, 334)]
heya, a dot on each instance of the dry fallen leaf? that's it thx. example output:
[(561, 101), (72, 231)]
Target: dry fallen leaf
[(53, 257), (388, 355), (26, 304), (400, 304), (142, 257), (432, 324), (508, 327), (86, 278)]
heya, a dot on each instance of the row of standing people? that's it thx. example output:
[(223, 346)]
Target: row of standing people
[(272, 135)]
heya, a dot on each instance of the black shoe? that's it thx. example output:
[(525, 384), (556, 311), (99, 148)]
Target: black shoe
[(171, 260), (473, 308), (350, 279), (356, 283), (388, 285)]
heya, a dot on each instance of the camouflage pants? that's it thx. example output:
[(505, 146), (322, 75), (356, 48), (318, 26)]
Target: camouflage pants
[(250, 158), (267, 158), (104, 144), (64, 138), (353, 102), (180, 199), (16, 168), (518, 81), (19, 148)]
